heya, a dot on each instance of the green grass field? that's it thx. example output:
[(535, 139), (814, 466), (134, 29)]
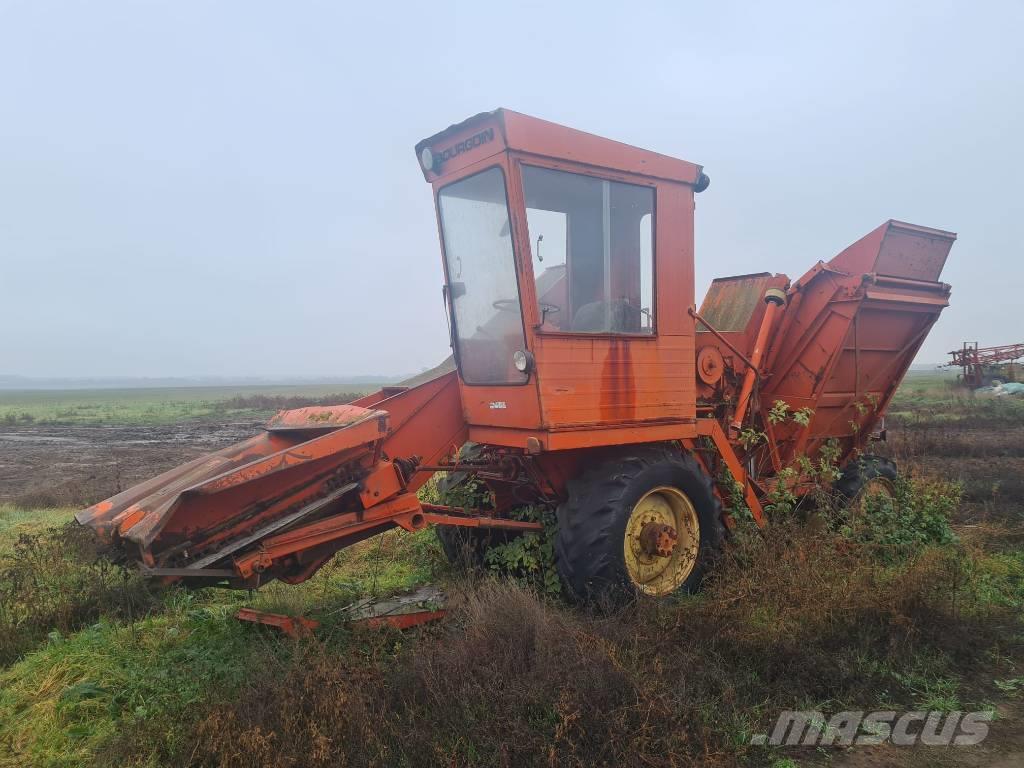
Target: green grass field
[(16, 521), (159, 405)]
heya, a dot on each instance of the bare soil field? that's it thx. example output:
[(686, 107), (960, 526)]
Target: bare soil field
[(59, 465), (76, 447), (982, 448)]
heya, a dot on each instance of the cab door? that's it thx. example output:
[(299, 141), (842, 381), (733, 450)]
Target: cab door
[(483, 293)]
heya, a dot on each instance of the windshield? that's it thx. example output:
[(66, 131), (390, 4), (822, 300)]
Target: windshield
[(482, 284)]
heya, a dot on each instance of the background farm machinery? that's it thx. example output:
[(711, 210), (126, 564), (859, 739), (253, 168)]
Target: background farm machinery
[(980, 366)]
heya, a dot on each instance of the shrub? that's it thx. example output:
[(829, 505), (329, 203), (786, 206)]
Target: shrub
[(917, 514), (57, 582), (529, 559)]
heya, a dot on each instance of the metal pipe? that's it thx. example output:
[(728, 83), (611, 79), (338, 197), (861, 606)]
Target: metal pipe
[(479, 521), (773, 299), (907, 281)]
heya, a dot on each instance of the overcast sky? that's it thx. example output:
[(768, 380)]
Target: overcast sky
[(229, 188)]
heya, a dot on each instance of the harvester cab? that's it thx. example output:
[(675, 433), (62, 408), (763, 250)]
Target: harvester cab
[(569, 276), (586, 382)]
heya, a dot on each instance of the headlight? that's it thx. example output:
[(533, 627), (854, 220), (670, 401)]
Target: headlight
[(522, 360), (427, 159)]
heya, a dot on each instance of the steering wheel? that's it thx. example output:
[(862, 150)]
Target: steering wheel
[(509, 305)]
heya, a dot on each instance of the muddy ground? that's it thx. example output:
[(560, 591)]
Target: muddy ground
[(986, 457), (70, 464), (75, 464)]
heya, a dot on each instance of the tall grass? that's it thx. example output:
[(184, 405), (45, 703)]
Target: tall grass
[(94, 654), (55, 582), (62, 704), (18, 520), (800, 620)]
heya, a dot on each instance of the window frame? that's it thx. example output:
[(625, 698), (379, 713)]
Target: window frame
[(469, 172), (527, 256)]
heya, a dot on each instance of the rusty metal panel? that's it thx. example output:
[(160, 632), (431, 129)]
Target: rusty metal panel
[(318, 417), (462, 145), (899, 250), (604, 380), (917, 253), (293, 626), (731, 302), (542, 138)]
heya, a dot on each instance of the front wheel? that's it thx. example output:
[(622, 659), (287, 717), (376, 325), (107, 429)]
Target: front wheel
[(644, 523)]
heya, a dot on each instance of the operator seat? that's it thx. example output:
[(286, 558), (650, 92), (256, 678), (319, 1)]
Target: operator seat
[(617, 316)]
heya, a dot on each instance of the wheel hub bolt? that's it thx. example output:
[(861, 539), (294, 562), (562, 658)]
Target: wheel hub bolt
[(658, 539)]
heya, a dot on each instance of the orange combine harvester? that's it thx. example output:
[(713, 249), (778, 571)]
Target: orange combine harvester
[(586, 381)]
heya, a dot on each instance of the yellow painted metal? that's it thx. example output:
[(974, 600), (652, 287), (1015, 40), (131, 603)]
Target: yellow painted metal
[(650, 573)]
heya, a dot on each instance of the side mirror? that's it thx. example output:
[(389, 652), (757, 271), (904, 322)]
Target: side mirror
[(456, 290)]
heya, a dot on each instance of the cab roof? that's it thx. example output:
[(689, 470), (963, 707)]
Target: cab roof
[(489, 133)]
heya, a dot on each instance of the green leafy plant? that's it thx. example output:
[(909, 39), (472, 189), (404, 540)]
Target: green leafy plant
[(803, 416), (458, 489), (804, 465), (473, 493), (736, 504), (915, 515), (529, 559), (782, 500), (828, 461), (749, 437), (779, 412)]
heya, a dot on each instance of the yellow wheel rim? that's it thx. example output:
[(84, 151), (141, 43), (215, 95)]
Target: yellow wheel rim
[(662, 541)]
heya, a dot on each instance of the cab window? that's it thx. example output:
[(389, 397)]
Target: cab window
[(591, 247)]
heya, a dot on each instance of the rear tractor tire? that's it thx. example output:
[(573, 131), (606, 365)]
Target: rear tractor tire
[(865, 476), (644, 523)]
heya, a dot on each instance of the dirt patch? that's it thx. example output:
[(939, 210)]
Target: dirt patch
[(987, 461), (1004, 748), (77, 465)]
